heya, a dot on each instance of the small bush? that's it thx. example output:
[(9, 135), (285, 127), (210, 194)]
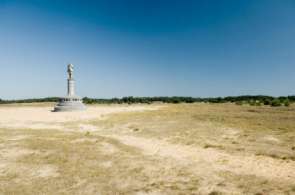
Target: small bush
[(252, 103), (287, 103), (267, 102), (276, 103), (239, 103)]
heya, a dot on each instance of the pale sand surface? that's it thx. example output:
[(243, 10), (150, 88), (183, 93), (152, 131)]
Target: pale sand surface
[(36, 117), (146, 149), (215, 160)]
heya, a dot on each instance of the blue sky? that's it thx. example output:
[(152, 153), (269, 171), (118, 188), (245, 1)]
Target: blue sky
[(147, 47)]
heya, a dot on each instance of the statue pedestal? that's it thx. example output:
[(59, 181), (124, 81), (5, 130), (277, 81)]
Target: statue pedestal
[(69, 103), (71, 87)]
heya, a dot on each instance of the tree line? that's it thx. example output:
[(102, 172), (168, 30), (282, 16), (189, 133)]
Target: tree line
[(34, 100), (239, 100)]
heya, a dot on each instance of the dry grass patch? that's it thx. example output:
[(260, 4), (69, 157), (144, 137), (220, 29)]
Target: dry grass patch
[(170, 149), (77, 163)]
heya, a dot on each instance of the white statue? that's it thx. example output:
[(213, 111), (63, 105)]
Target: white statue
[(70, 70), (71, 102)]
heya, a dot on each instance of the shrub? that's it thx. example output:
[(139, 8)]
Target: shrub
[(286, 103), (240, 103), (267, 102), (252, 103), (276, 103)]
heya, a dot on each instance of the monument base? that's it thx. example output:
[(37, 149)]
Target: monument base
[(69, 104)]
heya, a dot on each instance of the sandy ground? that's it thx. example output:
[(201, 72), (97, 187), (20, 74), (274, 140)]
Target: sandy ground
[(36, 117), (146, 149)]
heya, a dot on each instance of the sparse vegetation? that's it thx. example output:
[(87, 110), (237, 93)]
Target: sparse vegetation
[(276, 103), (286, 102), (169, 149)]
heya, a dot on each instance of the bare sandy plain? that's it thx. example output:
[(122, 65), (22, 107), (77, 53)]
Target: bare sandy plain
[(147, 149)]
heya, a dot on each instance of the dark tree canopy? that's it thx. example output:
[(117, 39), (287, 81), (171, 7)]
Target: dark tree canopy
[(239, 100)]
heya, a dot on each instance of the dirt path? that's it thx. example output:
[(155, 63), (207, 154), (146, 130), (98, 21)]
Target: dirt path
[(214, 160)]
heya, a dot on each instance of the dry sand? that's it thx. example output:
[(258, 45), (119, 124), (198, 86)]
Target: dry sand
[(143, 149), (36, 117)]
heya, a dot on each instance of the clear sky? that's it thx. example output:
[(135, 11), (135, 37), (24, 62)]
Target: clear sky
[(147, 47)]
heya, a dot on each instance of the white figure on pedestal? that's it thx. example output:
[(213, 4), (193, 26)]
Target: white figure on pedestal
[(71, 81), (70, 70), (71, 102)]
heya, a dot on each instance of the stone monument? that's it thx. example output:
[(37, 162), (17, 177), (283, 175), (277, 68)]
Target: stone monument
[(71, 102)]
